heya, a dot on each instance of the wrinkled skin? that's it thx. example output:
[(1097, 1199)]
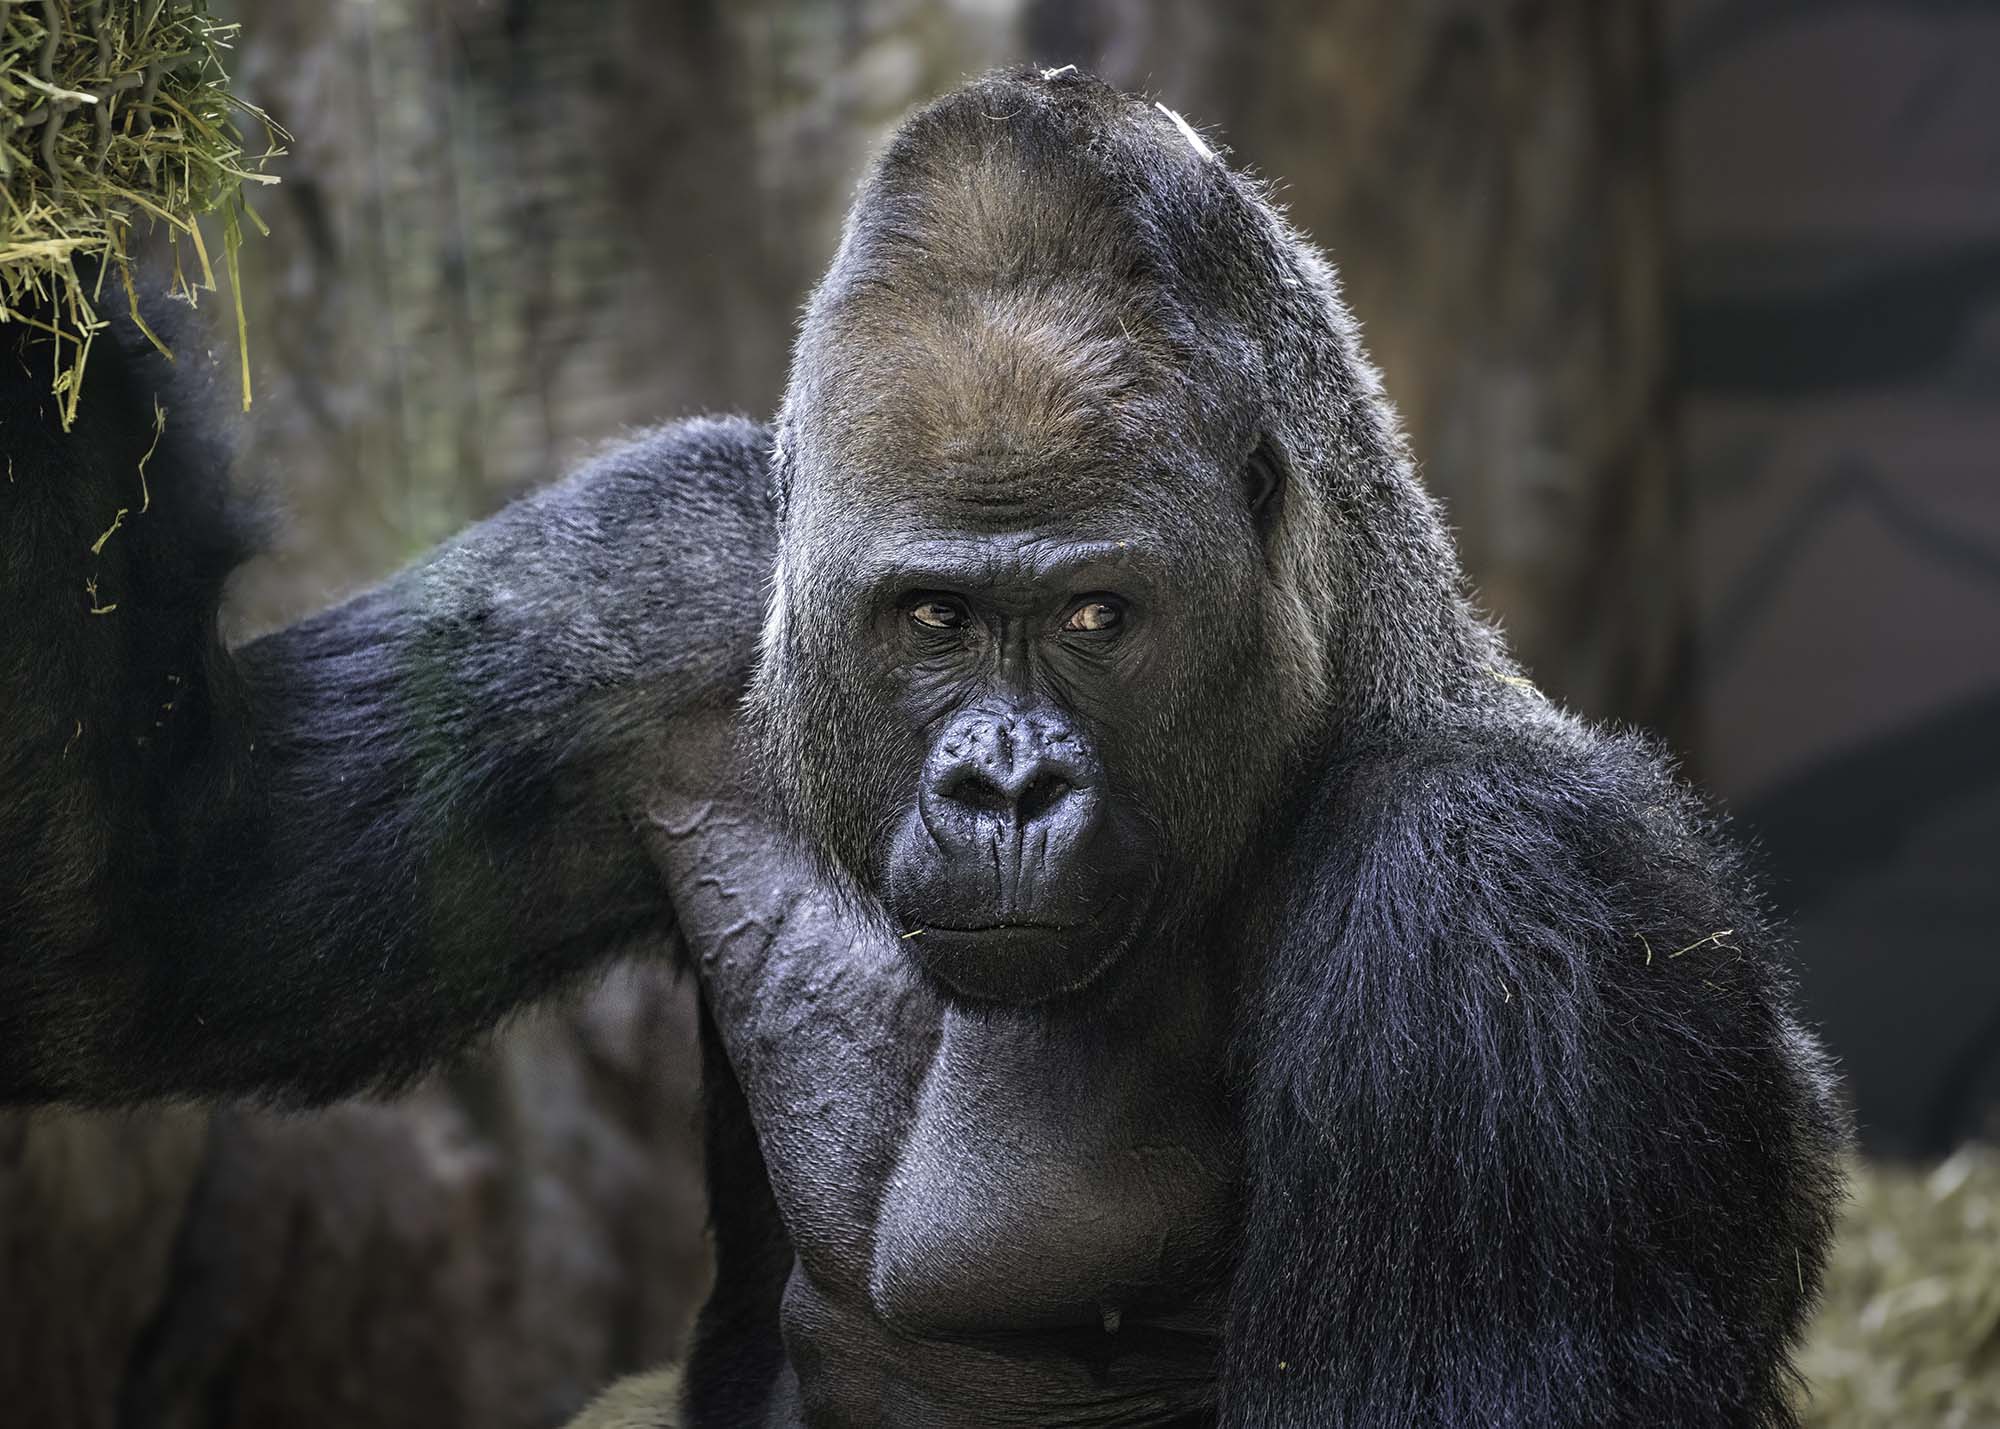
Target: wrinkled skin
[(1160, 962)]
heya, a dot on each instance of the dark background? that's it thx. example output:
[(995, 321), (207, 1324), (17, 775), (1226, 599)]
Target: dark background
[(1692, 308)]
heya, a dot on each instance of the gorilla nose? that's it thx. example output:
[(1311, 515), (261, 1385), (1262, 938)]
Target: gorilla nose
[(1010, 774), (1021, 795)]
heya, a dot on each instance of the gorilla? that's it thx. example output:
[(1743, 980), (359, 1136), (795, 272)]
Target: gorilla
[(1160, 961)]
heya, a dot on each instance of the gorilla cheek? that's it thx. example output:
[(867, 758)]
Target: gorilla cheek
[(914, 887)]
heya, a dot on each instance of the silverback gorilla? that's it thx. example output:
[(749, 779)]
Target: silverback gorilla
[(1160, 963)]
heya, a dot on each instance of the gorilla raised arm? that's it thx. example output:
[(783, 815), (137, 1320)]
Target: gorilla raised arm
[(1161, 963), (327, 861)]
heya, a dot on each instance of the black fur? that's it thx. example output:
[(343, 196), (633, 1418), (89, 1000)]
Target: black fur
[(1462, 1029), (1536, 1139), (318, 865)]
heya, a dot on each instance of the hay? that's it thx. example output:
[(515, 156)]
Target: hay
[(115, 114), (1910, 1332)]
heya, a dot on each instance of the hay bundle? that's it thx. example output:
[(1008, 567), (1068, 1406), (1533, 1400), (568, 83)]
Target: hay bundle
[(114, 114), (1910, 1332)]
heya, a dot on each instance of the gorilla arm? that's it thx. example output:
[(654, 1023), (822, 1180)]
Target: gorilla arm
[(1532, 1139), (326, 861)]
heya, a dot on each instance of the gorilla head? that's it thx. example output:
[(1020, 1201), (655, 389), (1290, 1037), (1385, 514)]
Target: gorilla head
[(1061, 579)]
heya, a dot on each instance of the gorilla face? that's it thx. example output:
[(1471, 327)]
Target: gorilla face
[(1021, 862), (1037, 654), (1017, 692), (1014, 682)]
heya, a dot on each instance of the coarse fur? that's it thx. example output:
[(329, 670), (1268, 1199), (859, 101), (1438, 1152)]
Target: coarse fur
[(1459, 1023), (314, 866)]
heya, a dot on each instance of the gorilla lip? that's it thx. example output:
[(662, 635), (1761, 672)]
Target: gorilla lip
[(978, 928), (985, 963), (921, 928)]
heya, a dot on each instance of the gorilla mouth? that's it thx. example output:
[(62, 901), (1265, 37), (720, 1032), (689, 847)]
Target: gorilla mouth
[(1001, 927), (1037, 926), (1024, 961)]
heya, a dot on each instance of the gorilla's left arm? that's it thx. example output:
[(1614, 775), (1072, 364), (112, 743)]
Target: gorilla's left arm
[(1533, 1138)]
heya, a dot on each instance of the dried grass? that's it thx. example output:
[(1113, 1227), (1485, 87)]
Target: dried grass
[(1910, 1332), (115, 115)]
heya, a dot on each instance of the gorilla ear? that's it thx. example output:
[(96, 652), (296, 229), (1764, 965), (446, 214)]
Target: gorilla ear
[(1265, 474)]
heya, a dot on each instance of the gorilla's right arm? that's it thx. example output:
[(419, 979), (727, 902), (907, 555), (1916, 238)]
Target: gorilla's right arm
[(323, 862)]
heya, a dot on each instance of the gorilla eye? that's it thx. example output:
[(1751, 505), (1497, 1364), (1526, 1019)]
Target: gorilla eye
[(1094, 615), (935, 614)]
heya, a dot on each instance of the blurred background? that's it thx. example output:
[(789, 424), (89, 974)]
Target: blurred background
[(1692, 308)]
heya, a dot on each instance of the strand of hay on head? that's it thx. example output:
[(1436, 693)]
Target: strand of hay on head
[(115, 115)]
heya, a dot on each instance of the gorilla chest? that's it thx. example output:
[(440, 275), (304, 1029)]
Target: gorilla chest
[(1043, 1186), (955, 1172), (974, 1200)]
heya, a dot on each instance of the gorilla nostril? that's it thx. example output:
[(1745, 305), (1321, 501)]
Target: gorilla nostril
[(1043, 792), (1020, 801), (974, 790)]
